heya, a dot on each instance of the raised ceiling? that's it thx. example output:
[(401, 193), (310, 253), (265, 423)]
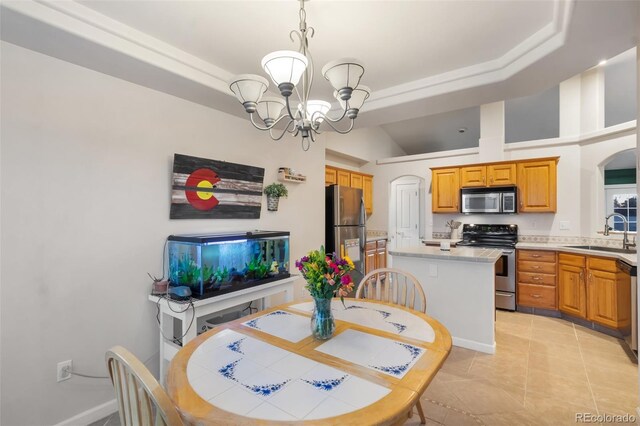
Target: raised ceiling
[(421, 57)]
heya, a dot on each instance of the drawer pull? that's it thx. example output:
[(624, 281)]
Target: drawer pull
[(535, 255), (537, 278), (536, 296), (535, 267)]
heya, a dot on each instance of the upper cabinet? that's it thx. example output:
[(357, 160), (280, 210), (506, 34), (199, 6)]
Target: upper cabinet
[(445, 190), (502, 174), (473, 176), (537, 186), (335, 176), (535, 179)]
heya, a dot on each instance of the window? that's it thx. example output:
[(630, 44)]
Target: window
[(622, 199)]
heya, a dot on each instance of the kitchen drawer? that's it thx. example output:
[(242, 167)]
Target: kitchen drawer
[(371, 245), (572, 260), (535, 266), (607, 265), (382, 243), (537, 255), (537, 296), (534, 278)]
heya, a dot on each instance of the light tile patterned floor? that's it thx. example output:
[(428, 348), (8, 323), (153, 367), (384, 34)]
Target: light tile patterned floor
[(544, 372)]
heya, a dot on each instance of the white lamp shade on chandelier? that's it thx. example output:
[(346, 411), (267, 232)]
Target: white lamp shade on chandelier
[(249, 87), (316, 110), (343, 73), (285, 66), (270, 107), (358, 96)]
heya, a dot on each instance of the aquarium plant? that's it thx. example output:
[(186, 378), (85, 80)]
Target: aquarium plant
[(256, 269), (188, 271), (220, 274)]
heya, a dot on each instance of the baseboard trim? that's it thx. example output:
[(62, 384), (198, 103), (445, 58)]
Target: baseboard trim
[(91, 415), (472, 344)]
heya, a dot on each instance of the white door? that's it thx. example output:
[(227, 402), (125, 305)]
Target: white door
[(407, 214)]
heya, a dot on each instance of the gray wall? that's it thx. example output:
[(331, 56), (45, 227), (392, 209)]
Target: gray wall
[(620, 80), (533, 117)]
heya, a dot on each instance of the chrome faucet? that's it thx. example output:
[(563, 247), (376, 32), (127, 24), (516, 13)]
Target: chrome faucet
[(626, 245)]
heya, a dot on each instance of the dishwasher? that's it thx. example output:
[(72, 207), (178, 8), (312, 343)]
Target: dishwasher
[(632, 339)]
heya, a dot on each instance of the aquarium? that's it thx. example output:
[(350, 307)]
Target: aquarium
[(215, 264)]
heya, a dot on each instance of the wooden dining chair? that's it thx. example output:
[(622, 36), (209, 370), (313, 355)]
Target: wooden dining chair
[(393, 286), (141, 399), (397, 287)]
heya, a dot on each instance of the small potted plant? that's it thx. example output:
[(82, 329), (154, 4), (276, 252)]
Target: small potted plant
[(274, 191)]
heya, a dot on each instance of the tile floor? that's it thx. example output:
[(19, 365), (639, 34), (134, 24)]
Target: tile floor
[(544, 372)]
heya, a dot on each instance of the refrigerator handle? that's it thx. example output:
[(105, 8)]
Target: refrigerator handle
[(363, 213)]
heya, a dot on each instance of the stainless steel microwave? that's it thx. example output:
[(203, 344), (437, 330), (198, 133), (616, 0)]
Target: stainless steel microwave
[(489, 200)]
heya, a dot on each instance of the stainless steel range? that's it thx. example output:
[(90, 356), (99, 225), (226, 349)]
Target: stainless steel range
[(502, 237)]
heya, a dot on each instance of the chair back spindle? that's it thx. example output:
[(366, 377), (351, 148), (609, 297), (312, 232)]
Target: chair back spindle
[(393, 286)]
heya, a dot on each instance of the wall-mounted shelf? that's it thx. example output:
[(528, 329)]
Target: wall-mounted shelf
[(285, 177)]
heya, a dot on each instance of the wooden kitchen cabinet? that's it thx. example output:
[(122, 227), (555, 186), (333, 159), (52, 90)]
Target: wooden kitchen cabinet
[(537, 186), (375, 255), (367, 190), (499, 174), (572, 291), (352, 179), (536, 279), (502, 174), (343, 178), (356, 180), (473, 176), (608, 294), (370, 256), (572, 287), (445, 190), (330, 176)]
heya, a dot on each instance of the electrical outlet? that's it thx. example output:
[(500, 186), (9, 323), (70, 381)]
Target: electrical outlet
[(564, 225), (433, 270), (64, 370)]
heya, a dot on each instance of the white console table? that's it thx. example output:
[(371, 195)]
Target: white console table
[(204, 307)]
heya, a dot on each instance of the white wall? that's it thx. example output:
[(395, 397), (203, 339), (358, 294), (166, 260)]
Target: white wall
[(85, 188)]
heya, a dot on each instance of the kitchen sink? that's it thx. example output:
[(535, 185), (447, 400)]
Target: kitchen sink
[(610, 249)]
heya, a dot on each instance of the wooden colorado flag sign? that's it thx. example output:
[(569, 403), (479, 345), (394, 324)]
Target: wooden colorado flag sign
[(210, 189)]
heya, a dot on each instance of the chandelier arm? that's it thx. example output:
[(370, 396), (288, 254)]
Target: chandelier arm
[(281, 134), (342, 132), (257, 126), (326, 116)]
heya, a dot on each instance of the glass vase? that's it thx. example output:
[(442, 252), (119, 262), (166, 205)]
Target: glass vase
[(322, 323)]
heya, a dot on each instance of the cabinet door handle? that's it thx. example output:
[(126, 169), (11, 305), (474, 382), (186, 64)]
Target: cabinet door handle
[(491, 179)]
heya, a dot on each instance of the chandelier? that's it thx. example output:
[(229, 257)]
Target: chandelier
[(286, 68)]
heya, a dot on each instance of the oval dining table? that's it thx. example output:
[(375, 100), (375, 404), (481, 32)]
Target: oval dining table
[(268, 368)]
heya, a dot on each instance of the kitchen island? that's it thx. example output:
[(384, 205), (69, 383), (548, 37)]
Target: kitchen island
[(460, 289)]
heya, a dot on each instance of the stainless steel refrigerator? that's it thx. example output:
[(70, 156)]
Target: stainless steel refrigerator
[(345, 231)]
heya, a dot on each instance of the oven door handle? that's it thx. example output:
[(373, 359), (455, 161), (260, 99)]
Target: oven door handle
[(507, 251)]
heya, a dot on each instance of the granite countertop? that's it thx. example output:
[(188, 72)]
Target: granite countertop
[(467, 254), (631, 259)]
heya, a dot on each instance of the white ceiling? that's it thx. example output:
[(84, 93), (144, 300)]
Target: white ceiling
[(421, 57)]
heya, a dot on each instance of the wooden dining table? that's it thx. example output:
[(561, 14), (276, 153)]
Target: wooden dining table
[(268, 368)]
